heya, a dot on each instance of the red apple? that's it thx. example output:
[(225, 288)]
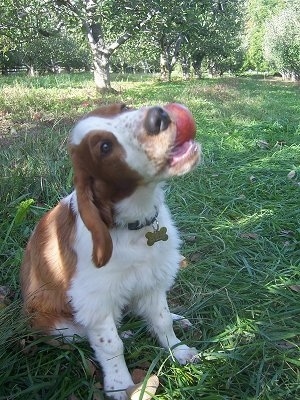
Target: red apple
[(183, 118)]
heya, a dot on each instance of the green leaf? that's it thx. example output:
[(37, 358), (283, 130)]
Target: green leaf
[(22, 210)]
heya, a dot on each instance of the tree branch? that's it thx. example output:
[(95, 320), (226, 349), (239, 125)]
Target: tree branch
[(127, 35)]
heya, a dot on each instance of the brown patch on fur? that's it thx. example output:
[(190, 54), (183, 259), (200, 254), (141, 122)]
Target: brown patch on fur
[(48, 266), (158, 147), (101, 179), (108, 111)]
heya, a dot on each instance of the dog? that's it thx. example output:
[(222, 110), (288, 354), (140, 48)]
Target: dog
[(111, 243)]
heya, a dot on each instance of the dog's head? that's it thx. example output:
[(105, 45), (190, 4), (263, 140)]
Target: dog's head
[(114, 150)]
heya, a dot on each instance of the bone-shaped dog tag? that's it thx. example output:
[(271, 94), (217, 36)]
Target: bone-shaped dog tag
[(156, 236)]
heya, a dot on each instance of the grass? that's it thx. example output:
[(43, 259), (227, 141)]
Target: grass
[(238, 214)]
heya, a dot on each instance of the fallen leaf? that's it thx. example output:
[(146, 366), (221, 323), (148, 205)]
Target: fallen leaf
[(283, 344), (4, 300), (134, 393), (291, 174), (184, 323), (73, 397), (58, 343), (98, 376), (4, 291), (263, 144), (97, 396), (195, 257), (138, 375), (90, 367), (127, 334), (249, 235), (280, 143), (190, 238), (183, 263), (286, 232), (13, 131), (37, 116), (144, 365), (27, 348), (295, 288)]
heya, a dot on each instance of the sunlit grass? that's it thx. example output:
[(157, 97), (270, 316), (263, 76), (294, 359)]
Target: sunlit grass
[(238, 215)]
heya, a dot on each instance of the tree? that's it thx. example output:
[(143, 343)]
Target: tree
[(24, 24), (106, 24), (169, 50), (51, 54), (215, 34), (282, 42), (191, 30), (224, 52), (258, 11), (128, 59), (163, 32)]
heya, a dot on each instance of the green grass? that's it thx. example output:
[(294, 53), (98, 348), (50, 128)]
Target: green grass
[(239, 218)]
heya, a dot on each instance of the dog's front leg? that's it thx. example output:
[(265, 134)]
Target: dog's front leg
[(156, 310), (109, 351)]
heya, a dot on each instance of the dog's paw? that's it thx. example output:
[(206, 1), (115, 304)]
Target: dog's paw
[(115, 387), (185, 354)]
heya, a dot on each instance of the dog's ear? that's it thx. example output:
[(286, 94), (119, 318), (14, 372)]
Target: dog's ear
[(96, 217)]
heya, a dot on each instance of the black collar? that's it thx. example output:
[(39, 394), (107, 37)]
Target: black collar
[(136, 225)]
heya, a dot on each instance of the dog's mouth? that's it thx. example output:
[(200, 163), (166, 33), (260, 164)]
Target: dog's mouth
[(184, 152)]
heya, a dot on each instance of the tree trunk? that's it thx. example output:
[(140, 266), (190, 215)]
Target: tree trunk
[(30, 70), (186, 66), (101, 70), (86, 13), (197, 62), (197, 72), (165, 74), (212, 70), (169, 51)]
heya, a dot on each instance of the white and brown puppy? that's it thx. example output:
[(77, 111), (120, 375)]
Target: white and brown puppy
[(116, 219)]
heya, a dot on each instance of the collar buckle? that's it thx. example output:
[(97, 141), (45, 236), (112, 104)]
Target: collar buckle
[(137, 225)]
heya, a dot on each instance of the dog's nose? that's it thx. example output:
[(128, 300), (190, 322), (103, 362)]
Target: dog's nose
[(157, 120)]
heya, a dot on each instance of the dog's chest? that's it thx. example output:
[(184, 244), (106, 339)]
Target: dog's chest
[(134, 266), (141, 265)]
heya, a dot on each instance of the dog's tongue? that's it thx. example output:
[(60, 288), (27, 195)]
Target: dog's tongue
[(184, 120)]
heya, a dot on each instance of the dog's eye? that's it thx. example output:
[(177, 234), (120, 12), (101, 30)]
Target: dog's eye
[(106, 147)]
